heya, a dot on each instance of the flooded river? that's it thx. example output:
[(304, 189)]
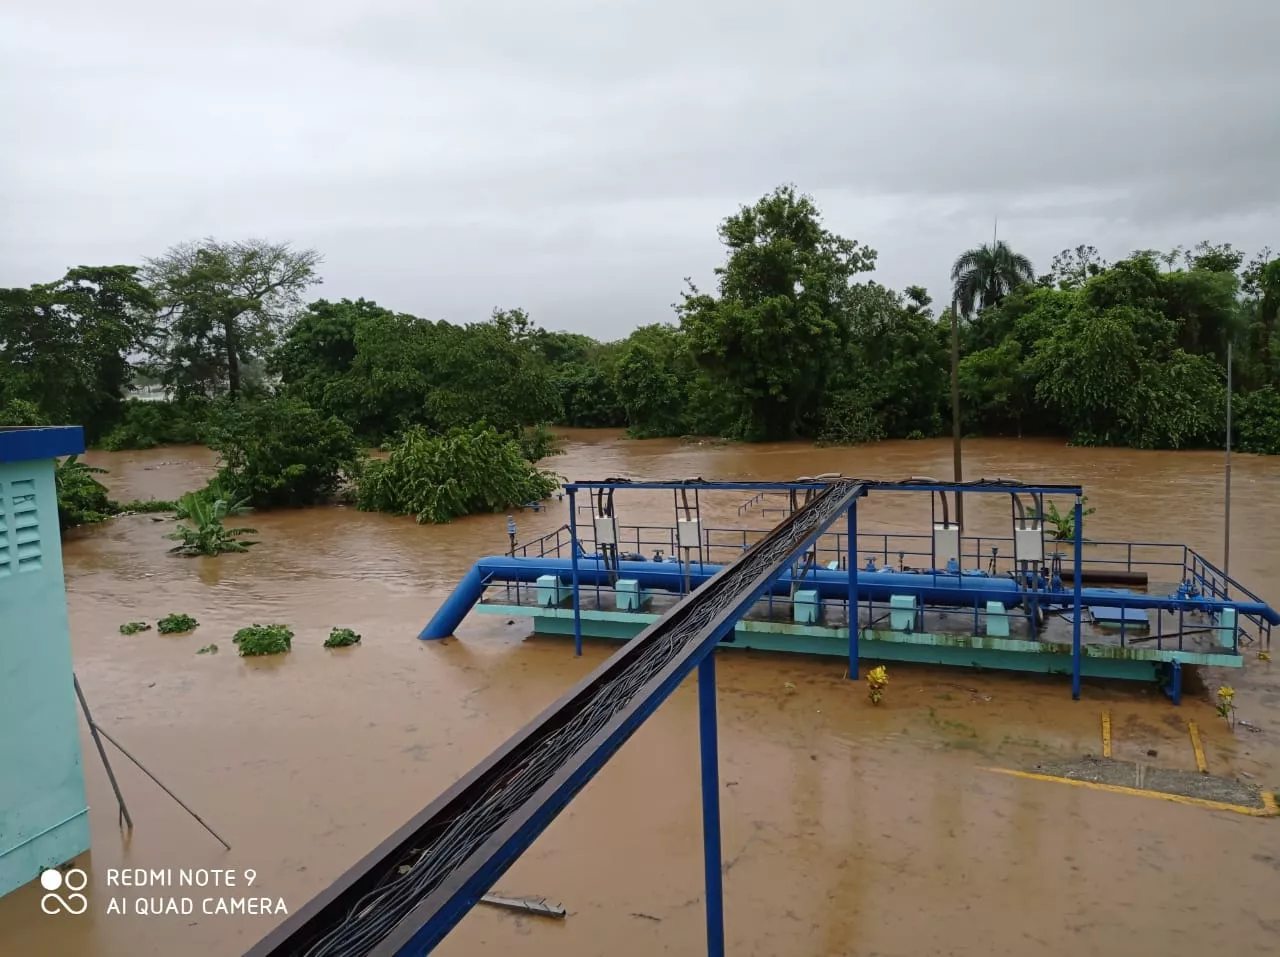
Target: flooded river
[(848, 829)]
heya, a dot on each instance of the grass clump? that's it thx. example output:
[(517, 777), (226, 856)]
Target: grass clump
[(150, 505), (264, 640), (133, 627), (341, 637), (176, 624)]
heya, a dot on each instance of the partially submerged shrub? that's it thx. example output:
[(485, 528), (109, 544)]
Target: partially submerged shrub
[(206, 535), (133, 627), (341, 637), (150, 505), (440, 477), (208, 650), (176, 624), (263, 640), (144, 424), (282, 452), (82, 499)]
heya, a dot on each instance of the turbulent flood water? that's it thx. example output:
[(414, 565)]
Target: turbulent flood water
[(848, 829)]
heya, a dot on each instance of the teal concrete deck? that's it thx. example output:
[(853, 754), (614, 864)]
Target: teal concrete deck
[(1047, 655)]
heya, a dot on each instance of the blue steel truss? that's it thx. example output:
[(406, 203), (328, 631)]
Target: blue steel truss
[(706, 616)]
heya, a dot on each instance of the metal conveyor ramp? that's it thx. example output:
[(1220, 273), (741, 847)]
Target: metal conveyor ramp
[(408, 893)]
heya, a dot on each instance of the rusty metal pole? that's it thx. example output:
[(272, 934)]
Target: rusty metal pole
[(955, 409)]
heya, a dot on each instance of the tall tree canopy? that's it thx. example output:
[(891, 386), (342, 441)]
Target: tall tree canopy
[(223, 304), (65, 346), (983, 276), (775, 331)]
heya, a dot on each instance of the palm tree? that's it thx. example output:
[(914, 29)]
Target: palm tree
[(982, 277)]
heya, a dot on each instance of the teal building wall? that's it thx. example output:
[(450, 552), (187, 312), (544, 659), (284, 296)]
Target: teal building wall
[(44, 817)]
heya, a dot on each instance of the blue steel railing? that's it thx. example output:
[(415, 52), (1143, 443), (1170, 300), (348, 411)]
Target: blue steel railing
[(1167, 564)]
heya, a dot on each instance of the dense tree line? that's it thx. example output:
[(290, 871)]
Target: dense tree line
[(793, 341)]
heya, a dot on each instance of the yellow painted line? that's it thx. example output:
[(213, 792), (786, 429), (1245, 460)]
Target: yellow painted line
[(1269, 808), (1198, 748), (1106, 734)]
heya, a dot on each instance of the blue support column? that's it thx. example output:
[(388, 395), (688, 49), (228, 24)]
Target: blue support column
[(853, 592), (711, 804), (1077, 610), (573, 553)]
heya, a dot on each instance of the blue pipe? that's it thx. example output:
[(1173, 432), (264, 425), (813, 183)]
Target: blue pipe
[(933, 589)]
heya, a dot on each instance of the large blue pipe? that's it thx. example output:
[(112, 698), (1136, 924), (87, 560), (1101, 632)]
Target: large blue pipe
[(669, 576), (931, 589)]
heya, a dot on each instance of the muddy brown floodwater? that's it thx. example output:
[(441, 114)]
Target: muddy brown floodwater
[(848, 829)]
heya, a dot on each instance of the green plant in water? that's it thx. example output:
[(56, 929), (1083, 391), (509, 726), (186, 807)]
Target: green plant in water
[(341, 637), (207, 535), (82, 499), (1227, 704), (150, 505), (208, 650), (264, 640), (176, 624), (1062, 524), (133, 627), (440, 477), (214, 490)]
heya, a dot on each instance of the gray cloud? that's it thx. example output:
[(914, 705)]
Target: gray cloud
[(576, 157)]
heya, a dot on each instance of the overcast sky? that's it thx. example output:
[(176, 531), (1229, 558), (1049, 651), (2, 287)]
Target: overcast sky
[(575, 156)]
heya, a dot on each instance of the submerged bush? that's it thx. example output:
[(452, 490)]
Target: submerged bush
[(282, 452), (258, 640), (440, 477), (133, 627), (206, 535), (144, 425), (82, 499), (341, 637), (176, 624), (1257, 422)]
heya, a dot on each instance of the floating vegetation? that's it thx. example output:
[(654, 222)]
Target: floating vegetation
[(176, 624), (341, 637), (264, 640), (133, 627), (208, 650)]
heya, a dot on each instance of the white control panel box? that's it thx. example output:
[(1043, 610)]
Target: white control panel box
[(606, 530), (689, 532), (946, 544), (1028, 543)]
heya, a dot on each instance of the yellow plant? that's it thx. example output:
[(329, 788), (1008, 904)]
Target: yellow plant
[(1226, 701), (877, 681)]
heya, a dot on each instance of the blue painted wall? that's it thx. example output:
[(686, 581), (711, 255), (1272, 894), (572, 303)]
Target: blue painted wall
[(43, 810)]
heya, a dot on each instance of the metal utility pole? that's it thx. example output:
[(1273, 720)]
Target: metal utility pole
[(1226, 519), (955, 406)]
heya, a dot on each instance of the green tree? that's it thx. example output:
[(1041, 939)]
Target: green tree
[(981, 277), (281, 452), (224, 304), (65, 346), (773, 334)]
